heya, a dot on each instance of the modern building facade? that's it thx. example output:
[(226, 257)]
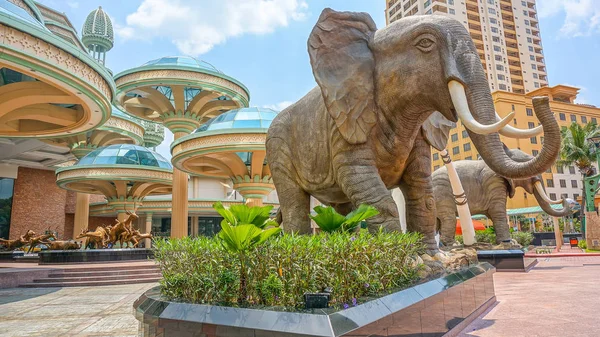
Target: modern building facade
[(505, 32)]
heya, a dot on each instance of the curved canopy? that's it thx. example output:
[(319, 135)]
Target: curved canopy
[(124, 154), (244, 118)]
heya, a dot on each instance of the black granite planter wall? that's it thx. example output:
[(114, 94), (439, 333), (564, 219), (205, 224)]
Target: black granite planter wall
[(429, 309), (95, 255)]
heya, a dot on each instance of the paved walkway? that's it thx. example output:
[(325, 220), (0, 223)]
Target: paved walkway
[(77, 311), (559, 297)]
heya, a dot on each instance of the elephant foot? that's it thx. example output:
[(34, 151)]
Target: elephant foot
[(388, 225), (431, 246)]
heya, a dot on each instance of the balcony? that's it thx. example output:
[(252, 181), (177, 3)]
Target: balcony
[(518, 91), (472, 8), (510, 36), (506, 8), (475, 27), (439, 9)]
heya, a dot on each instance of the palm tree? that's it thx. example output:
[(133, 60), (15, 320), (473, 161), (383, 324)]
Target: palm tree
[(577, 150)]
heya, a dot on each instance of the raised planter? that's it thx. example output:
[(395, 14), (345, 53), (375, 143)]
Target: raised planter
[(507, 260), (433, 308), (95, 255)]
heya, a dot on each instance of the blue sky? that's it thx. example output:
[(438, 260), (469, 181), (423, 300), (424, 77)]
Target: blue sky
[(262, 43)]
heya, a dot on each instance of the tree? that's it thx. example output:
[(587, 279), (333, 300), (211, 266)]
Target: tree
[(576, 150)]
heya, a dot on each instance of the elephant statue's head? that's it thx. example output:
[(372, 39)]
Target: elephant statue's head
[(534, 185), (393, 79)]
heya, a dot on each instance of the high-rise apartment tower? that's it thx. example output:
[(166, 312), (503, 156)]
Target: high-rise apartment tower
[(506, 34)]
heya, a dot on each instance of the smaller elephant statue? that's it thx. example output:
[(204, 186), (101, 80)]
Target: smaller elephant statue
[(487, 193)]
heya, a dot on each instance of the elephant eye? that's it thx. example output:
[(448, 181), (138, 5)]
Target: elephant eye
[(425, 44)]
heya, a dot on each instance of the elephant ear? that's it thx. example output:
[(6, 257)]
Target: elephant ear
[(436, 130), (343, 66)]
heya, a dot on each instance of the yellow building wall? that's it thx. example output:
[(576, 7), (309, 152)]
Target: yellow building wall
[(506, 102)]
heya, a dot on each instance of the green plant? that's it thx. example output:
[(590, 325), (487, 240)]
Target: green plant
[(522, 238), (242, 229), (488, 235), (582, 244), (459, 239), (283, 268), (329, 220), (543, 250)]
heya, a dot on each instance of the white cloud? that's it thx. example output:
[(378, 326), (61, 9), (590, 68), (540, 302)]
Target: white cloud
[(279, 106), (582, 17), (196, 26)]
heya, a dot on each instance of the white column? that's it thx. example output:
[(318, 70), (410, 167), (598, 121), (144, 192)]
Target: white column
[(466, 223), (148, 229)]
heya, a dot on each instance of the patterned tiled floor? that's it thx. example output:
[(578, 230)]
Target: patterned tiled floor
[(559, 297), (78, 311)]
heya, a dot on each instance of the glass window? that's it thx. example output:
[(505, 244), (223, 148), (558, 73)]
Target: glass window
[(574, 183), (531, 125), (467, 147), (564, 195), (530, 48), (450, 2), (575, 196), (573, 118), (455, 150), (553, 196), (436, 156), (594, 120), (534, 67), (245, 115), (493, 20), (559, 169), (247, 123), (572, 169), (451, 11), (563, 183), (6, 197), (491, 10), (499, 67), (501, 77), (549, 183), (534, 152), (497, 48), (536, 84), (454, 137), (583, 119), (465, 134), (529, 112), (498, 57), (533, 140), (468, 158), (562, 116), (494, 29)]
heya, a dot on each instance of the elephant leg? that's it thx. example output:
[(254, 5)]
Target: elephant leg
[(417, 187), (448, 229), (344, 208), (360, 181), (497, 213)]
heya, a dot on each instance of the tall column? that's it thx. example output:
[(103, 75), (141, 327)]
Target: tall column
[(82, 213), (148, 229), (179, 208), (195, 195), (460, 198)]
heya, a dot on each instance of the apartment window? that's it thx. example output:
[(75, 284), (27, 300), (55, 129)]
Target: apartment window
[(451, 11), (454, 137), (525, 12), (583, 119), (553, 196), (498, 57), (594, 120), (526, 22), (455, 150), (496, 39), (436, 167), (436, 156), (534, 67), (535, 75), (575, 196), (536, 84), (465, 134), (494, 29), (533, 140), (469, 158), (564, 195), (531, 125), (531, 57), (549, 183), (427, 3), (501, 77), (529, 111), (467, 147), (491, 10), (497, 48), (573, 118), (572, 169), (529, 40), (563, 183), (562, 116), (491, 2), (534, 152), (531, 49), (502, 86), (527, 30), (523, 3), (574, 183), (493, 20), (559, 169), (450, 2), (499, 67)]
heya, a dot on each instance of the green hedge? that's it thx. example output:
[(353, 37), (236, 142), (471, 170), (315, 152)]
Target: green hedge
[(279, 272)]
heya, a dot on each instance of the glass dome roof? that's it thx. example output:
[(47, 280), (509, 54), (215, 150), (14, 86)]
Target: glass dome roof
[(124, 154), (255, 118), (182, 61)]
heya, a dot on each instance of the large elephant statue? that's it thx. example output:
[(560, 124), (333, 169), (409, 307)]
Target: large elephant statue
[(359, 133), (487, 193)]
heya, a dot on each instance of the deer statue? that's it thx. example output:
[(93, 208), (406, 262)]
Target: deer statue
[(62, 245), (18, 243), (121, 230), (38, 239), (97, 238)]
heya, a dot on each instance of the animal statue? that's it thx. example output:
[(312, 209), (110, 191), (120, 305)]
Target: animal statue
[(487, 193), (136, 237), (121, 230), (23, 240), (97, 238), (62, 245), (362, 131), (38, 239)]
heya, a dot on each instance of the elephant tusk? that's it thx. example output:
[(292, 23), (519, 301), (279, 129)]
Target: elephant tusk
[(540, 189), (459, 99), (512, 132)]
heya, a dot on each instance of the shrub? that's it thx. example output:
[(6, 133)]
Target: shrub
[(523, 238), (459, 239), (283, 268), (582, 244), (486, 236)]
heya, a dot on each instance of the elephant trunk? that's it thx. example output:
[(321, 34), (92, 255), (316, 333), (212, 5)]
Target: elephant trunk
[(481, 106), (542, 200)]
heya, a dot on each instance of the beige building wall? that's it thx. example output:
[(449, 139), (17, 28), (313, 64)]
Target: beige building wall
[(505, 32)]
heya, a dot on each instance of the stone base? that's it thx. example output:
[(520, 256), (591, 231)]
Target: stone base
[(429, 309), (504, 260), (10, 256), (95, 255), (592, 230)]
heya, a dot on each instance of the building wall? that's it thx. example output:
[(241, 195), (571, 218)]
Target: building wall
[(38, 203), (506, 34), (561, 103)]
